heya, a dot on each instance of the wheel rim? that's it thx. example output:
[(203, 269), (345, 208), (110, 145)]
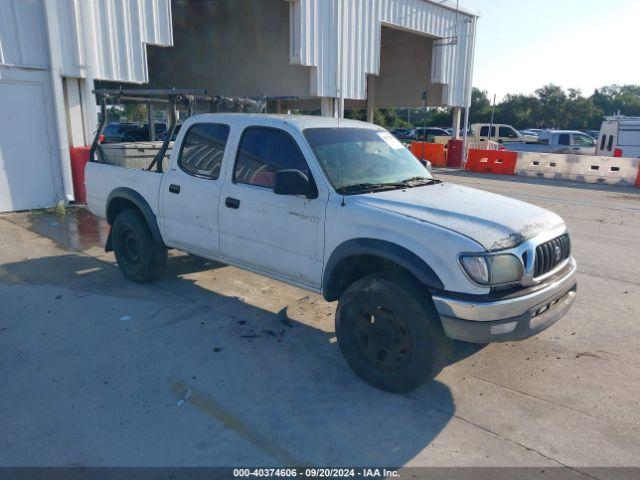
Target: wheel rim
[(130, 247), (383, 338)]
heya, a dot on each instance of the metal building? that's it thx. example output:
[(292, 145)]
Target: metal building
[(51, 51), (326, 53), (314, 54)]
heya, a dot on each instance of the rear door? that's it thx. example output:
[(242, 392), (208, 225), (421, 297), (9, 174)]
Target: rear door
[(278, 235), (583, 144), (191, 190), (608, 139)]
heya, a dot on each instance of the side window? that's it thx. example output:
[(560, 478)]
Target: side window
[(262, 153), (564, 139), (507, 132), (583, 141), (203, 149), (603, 140), (610, 143), (484, 131)]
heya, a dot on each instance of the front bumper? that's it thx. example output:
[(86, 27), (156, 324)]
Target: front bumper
[(514, 318)]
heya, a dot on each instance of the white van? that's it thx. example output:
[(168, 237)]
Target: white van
[(619, 137)]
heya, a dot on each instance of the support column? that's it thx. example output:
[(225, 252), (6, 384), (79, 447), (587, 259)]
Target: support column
[(326, 107), (457, 114), (371, 98), (75, 122), (62, 140)]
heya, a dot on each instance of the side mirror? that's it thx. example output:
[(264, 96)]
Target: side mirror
[(292, 182)]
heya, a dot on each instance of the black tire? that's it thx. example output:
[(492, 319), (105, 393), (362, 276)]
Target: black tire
[(390, 332), (138, 255)]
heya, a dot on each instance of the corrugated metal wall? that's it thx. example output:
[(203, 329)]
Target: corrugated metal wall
[(109, 35), (341, 39)]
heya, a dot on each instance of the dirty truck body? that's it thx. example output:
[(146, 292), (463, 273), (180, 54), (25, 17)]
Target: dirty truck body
[(341, 208)]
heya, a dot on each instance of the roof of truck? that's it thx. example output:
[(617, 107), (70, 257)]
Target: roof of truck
[(299, 121)]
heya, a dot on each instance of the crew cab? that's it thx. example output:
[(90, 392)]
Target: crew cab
[(557, 141), (341, 208)]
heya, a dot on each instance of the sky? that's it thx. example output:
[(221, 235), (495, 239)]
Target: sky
[(585, 44)]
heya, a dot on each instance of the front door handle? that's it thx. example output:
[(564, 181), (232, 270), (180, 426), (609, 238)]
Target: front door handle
[(174, 188), (232, 203)]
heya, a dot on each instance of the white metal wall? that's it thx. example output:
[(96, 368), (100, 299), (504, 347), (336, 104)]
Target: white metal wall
[(44, 45), (107, 35), (341, 39)]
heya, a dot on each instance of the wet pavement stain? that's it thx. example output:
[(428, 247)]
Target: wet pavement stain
[(78, 229)]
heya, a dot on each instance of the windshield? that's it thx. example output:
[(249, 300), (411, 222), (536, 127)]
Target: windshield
[(365, 159)]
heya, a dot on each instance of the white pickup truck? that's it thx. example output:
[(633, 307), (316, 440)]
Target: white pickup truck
[(341, 208)]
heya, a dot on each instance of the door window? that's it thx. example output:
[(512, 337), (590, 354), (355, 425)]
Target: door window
[(564, 139), (203, 149), (263, 152), (507, 132), (583, 141)]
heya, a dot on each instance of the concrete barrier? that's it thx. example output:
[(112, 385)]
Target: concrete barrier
[(579, 168)]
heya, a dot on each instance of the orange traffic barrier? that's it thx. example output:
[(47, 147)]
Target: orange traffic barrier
[(492, 161), (638, 179), (434, 152)]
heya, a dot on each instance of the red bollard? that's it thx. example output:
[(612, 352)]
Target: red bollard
[(79, 159), (454, 153)]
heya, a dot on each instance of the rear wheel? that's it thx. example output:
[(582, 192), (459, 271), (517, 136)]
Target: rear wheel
[(138, 255), (390, 333)]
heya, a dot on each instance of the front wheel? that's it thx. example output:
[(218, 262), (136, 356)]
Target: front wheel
[(138, 256), (390, 333)]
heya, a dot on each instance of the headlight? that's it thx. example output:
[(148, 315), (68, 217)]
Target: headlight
[(493, 269)]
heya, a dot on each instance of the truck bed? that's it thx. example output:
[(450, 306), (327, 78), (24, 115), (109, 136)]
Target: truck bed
[(101, 179)]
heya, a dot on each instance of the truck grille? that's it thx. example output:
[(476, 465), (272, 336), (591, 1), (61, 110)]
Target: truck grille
[(549, 255)]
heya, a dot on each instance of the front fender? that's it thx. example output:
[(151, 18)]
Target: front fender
[(382, 249)]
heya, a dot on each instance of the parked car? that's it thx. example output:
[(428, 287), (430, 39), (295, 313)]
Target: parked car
[(619, 137), (531, 133), (419, 133), (142, 134), (344, 210), (557, 141), (402, 133), (117, 132), (500, 133)]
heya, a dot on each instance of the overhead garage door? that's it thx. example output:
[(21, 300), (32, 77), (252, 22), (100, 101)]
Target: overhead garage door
[(26, 157)]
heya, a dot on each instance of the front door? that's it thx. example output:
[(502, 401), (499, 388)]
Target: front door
[(191, 190), (277, 234), (583, 144)]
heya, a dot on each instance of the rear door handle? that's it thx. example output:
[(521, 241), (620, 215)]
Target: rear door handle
[(232, 203), (174, 188)]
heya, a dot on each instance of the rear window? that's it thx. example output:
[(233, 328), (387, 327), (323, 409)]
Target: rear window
[(203, 150), (610, 143), (603, 142)]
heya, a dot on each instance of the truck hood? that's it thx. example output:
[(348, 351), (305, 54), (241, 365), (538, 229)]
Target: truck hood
[(494, 221)]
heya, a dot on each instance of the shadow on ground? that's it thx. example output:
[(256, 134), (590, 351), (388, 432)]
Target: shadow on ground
[(279, 387)]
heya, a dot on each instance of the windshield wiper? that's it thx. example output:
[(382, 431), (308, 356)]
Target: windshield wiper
[(370, 187)]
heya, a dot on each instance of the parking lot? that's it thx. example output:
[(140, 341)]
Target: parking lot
[(214, 366)]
